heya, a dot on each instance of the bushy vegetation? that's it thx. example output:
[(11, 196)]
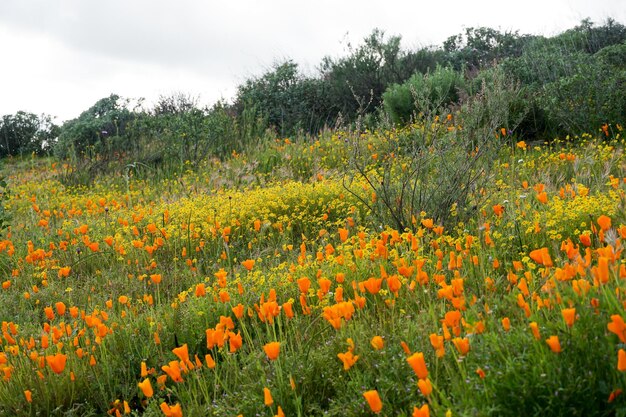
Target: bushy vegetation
[(567, 84)]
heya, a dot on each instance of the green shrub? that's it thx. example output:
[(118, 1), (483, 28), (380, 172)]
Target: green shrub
[(423, 93)]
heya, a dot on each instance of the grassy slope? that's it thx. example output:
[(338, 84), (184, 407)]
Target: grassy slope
[(159, 264)]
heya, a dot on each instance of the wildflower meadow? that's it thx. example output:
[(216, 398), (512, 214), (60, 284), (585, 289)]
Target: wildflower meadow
[(190, 296)]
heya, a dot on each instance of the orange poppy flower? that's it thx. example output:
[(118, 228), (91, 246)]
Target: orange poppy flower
[(425, 386), (542, 197), (29, 395), (506, 324), (64, 271), (372, 285), (553, 342), (234, 341), (614, 394), (462, 345), (373, 400), (535, 329), (60, 307), (146, 387), (272, 350), (303, 284), (210, 362), (248, 264), (267, 397), (238, 310), (171, 411), (200, 290), (348, 359), (618, 327), (604, 222), (56, 362), (569, 315), (173, 371), (541, 256), (621, 360), (437, 343), (424, 411), (585, 239), (602, 271), (418, 364), (377, 342), (428, 223), (182, 353)]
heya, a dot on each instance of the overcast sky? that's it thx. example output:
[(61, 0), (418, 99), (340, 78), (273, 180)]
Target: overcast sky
[(60, 56)]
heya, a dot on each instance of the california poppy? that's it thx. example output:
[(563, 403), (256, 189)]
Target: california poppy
[(604, 222), (146, 387), (377, 342), (425, 386), (234, 341), (182, 353), (506, 324), (272, 350), (56, 362), (553, 342), (348, 359), (418, 364), (210, 362), (421, 412), (171, 411), (618, 327), (373, 400), (267, 397), (569, 315), (535, 329), (462, 345), (541, 256), (248, 264), (621, 360)]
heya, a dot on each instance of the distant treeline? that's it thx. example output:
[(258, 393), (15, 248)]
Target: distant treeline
[(569, 83)]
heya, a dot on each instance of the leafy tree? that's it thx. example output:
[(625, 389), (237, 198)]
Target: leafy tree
[(356, 83), (100, 130), (282, 96), (480, 47), (25, 133)]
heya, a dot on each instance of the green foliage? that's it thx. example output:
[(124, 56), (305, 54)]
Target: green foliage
[(26, 133), (434, 166), (590, 97), (589, 38), (570, 80), (100, 130), (423, 93), (177, 130), (5, 215), (480, 47), (283, 97)]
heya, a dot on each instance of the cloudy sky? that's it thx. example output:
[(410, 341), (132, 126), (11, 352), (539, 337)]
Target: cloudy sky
[(61, 56)]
